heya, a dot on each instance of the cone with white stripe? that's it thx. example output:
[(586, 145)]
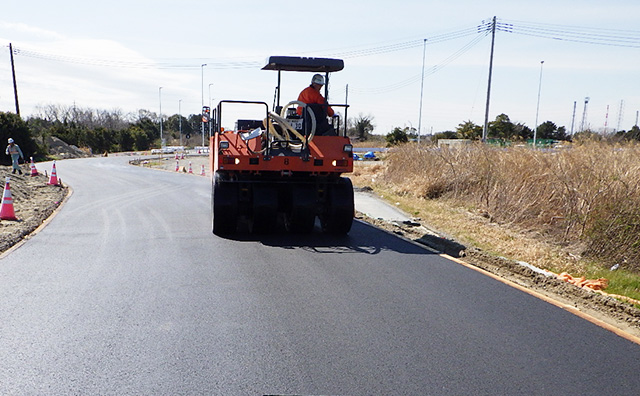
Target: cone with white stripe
[(190, 169), (6, 208), (34, 171), (177, 166), (53, 180)]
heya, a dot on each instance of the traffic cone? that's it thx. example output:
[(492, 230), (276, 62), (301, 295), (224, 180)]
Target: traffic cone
[(6, 208), (182, 156), (177, 156), (34, 171), (177, 166), (201, 170), (53, 180), (190, 170)]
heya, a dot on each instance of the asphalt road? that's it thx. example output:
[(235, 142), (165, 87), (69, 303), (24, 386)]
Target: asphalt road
[(127, 291)]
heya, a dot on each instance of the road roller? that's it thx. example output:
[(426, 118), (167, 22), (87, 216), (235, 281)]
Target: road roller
[(281, 166)]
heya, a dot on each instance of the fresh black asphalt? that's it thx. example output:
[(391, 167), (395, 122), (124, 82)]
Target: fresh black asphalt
[(127, 291)]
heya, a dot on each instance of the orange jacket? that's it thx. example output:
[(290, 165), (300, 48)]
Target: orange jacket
[(310, 95)]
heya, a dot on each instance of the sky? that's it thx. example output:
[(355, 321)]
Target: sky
[(139, 54)]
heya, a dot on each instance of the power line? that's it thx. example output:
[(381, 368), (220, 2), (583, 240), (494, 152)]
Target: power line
[(587, 35), (609, 37), (430, 71), (234, 64), (115, 63)]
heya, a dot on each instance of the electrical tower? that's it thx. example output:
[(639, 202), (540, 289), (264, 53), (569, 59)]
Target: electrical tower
[(573, 117), (584, 114), (620, 115)]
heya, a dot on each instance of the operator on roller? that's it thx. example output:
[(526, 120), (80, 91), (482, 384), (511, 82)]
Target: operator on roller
[(311, 96), (14, 151)]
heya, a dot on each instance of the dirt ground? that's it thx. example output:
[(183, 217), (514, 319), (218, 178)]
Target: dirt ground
[(34, 201)]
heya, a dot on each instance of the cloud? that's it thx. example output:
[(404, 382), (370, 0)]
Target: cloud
[(33, 32), (52, 68)]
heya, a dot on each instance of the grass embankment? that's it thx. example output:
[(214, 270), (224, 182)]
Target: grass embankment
[(575, 209)]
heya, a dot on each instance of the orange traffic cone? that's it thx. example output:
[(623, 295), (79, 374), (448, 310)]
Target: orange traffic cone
[(6, 208), (53, 180), (190, 170), (34, 171), (201, 170)]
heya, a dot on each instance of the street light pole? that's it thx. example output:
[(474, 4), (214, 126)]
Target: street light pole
[(202, 105), (211, 111), (180, 118), (160, 99), (535, 130)]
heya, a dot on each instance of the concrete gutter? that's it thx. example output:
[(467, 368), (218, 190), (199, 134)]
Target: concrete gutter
[(371, 205)]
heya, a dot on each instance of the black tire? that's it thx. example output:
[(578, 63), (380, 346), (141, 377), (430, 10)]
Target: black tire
[(264, 216), (338, 215), (301, 216), (224, 206)]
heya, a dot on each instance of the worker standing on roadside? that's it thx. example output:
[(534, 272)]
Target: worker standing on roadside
[(14, 151)]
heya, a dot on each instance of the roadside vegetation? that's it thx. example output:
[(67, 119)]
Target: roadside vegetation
[(96, 131), (570, 205), (574, 209)]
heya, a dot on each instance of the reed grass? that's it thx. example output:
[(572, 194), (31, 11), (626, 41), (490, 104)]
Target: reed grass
[(584, 197)]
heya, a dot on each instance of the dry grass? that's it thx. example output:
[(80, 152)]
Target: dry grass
[(549, 208)]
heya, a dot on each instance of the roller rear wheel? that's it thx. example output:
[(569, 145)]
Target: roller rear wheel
[(338, 216), (302, 213), (224, 206), (264, 209)]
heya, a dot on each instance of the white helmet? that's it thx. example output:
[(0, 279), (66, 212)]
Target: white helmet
[(317, 79), (10, 140)]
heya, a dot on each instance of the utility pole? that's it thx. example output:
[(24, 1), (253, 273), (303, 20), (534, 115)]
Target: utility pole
[(424, 53), (15, 85), (535, 131), (486, 110)]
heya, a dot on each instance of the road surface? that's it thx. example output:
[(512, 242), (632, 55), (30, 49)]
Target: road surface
[(127, 291)]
